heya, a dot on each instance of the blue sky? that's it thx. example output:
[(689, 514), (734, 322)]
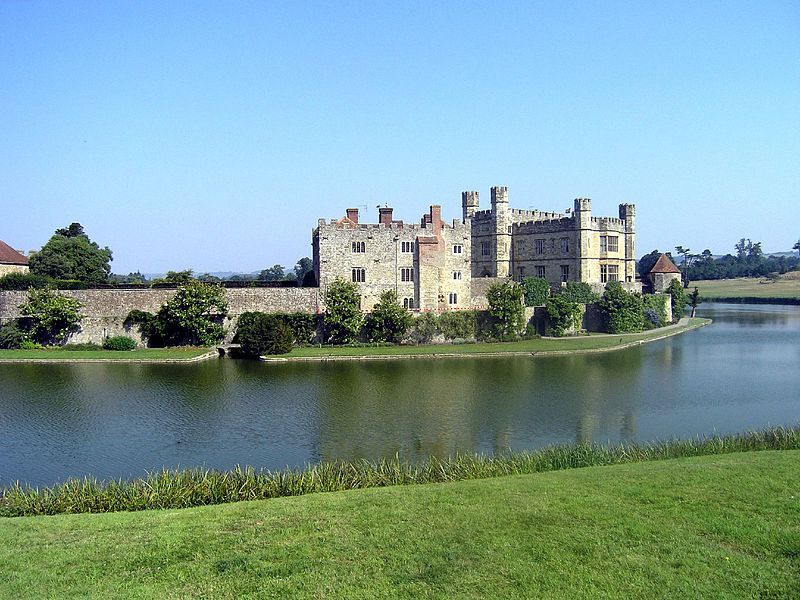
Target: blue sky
[(213, 135)]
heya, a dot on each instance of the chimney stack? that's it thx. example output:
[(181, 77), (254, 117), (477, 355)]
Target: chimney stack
[(436, 217), (385, 215), (352, 214)]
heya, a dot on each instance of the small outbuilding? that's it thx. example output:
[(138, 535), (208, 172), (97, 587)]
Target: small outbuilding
[(11, 261), (662, 274)]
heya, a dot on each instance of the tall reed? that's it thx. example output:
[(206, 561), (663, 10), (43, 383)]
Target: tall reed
[(199, 487)]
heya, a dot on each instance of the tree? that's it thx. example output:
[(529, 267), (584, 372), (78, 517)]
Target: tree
[(797, 247), (694, 300), (688, 259), (51, 317), (647, 262), (274, 273), (678, 294), (580, 292), (304, 266), (70, 254), (623, 311), (259, 333), (193, 315), (388, 321), (563, 314), (506, 308), (343, 319), (536, 290)]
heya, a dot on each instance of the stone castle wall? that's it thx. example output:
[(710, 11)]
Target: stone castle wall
[(105, 310)]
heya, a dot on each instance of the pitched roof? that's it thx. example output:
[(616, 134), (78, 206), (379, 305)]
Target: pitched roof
[(664, 265), (9, 256)]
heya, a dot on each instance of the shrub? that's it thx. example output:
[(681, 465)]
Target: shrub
[(388, 321), (192, 316), (678, 294), (457, 325), (302, 325), (81, 347), (24, 281), (564, 314), (51, 316), (30, 345), (148, 324), (536, 290), (343, 319), (580, 292), (260, 333), (12, 336), (120, 343), (655, 310), (623, 312), (423, 328), (651, 319), (505, 307)]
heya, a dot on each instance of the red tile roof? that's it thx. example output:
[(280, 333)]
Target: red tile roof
[(664, 265), (9, 256)]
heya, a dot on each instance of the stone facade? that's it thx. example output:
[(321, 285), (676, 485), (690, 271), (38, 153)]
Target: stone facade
[(5, 269), (439, 266)]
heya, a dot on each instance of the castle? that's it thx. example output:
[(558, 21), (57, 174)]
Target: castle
[(435, 265)]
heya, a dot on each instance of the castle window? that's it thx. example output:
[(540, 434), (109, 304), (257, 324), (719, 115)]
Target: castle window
[(613, 243), (458, 248), (539, 247), (358, 274), (408, 303), (603, 243), (407, 247), (564, 272), (407, 274), (565, 245), (359, 248), (457, 275), (521, 273), (453, 298), (485, 249), (609, 273), (541, 272)]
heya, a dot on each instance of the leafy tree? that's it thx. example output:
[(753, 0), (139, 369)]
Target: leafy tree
[(136, 277), (623, 311), (457, 324), (424, 328), (260, 333), (688, 259), (647, 262), (179, 277), (70, 254), (678, 294), (343, 319), (797, 247), (536, 290), (580, 292), (304, 266), (12, 335), (506, 308), (564, 314), (24, 281), (274, 273), (208, 278), (388, 321), (695, 300), (193, 315), (51, 317), (655, 310)]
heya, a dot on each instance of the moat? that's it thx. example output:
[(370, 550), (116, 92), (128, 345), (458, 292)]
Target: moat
[(120, 420)]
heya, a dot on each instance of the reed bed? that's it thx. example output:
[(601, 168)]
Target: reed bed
[(200, 487)]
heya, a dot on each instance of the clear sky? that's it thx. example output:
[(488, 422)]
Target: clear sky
[(213, 135)]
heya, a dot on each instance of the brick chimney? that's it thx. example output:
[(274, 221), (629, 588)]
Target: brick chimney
[(352, 214), (385, 215), (436, 217)]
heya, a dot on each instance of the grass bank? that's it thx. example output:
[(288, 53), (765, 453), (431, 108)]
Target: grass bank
[(593, 342), (139, 355), (785, 290), (708, 527), (183, 489)]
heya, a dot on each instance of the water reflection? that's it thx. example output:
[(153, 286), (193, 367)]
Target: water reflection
[(121, 420)]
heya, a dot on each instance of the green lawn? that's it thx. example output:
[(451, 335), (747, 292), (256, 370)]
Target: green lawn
[(591, 342), (720, 526), (748, 287), (134, 355)]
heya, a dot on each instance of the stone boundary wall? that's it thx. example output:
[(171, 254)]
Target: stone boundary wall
[(105, 310)]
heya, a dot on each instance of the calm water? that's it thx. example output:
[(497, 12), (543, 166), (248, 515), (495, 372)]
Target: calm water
[(120, 420)]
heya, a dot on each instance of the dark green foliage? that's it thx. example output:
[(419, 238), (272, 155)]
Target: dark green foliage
[(536, 290), (343, 318), (748, 261), (12, 336), (274, 273), (198, 487), (695, 300), (302, 325), (506, 308), (647, 262), (678, 294), (623, 311), (119, 342), (303, 267), (24, 281), (423, 329), (655, 310), (457, 325), (580, 292), (563, 314), (260, 333), (309, 279), (194, 315), (388, 321), (70, 254), (51, 317)]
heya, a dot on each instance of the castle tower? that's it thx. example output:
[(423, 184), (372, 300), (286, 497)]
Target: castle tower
[(501, 216), (583, 223), (627, 212), (469, 204)]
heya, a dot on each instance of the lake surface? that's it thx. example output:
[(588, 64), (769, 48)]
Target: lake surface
[(121, 420)]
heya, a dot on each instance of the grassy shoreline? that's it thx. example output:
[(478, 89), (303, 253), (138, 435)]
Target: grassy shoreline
[(713, 526), (756, 290), (596, 342), (53, 355), (197, 487)]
